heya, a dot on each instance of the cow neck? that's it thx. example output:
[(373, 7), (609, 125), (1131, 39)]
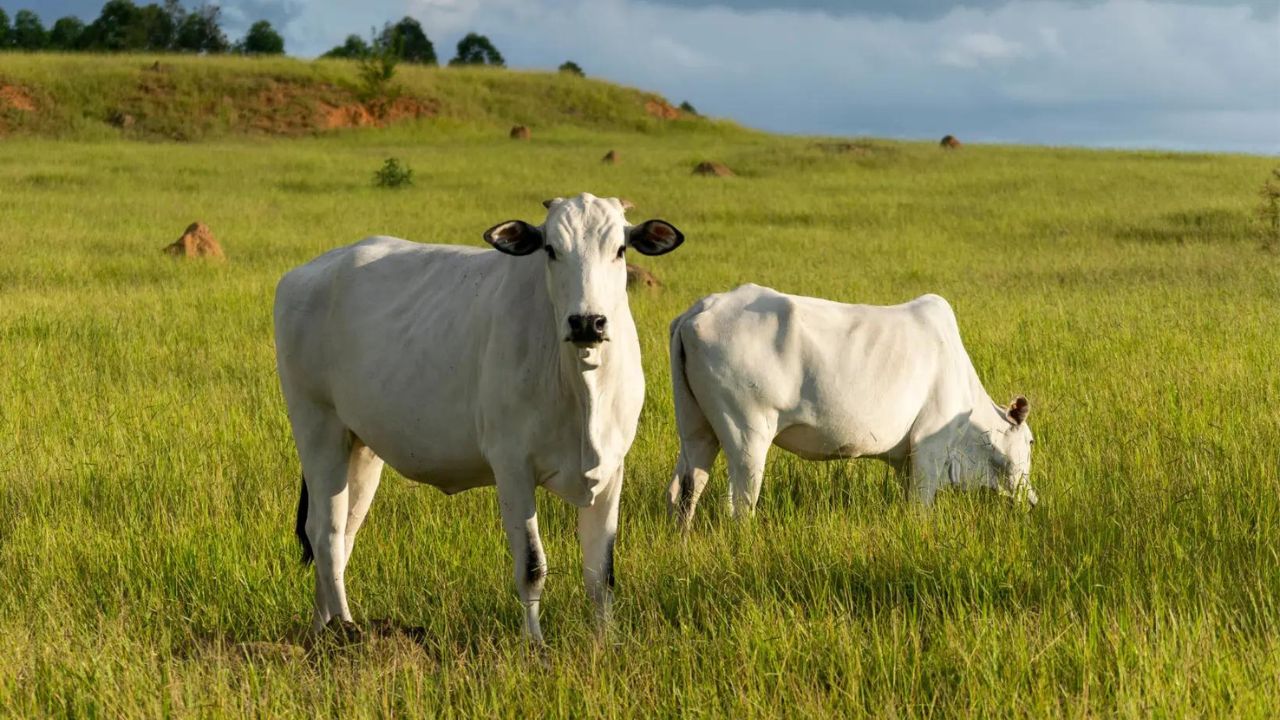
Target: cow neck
[(585, 388)]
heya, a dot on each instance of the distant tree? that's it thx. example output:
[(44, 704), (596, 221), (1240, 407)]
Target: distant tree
[(409, 41), (262, 39), (66, 33), (688, 107), (160, 25), (353, 48), (5, 30), (572, 68), (200, 31), (475, 49), (118, 27), (28, 33)]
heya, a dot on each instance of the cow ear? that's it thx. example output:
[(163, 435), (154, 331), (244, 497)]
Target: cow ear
[(514, 237), (654, 237), (1019, 409)]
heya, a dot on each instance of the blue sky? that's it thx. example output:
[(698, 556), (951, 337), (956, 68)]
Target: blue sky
[(1176, 74)]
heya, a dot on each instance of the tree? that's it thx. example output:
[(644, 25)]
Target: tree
[(5, 32), (28, 32), (353, 48), (409, 41), (118, 27), (201, 33), (572, 68), (66, 33), (262, 39), (475, 49), (688, 107), (159, 26)]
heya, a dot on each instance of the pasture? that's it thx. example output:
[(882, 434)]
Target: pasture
[(148, 479)]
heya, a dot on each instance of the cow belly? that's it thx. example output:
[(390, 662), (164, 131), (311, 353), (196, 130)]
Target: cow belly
[(832, 442)]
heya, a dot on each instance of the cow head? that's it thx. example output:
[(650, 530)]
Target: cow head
[(583, 243), (1011, 441)]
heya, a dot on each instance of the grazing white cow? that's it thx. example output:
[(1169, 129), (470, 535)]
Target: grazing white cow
[(462, 367), (825, 380)]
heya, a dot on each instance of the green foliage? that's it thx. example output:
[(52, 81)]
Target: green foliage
[(354, 48), (475, 49), (392, 174), (148, 477), (572, 68), (66, 34), (377, 70), (409, 42), (6, 31), (262, 39), (200, 31), (688, 107), (28, 33)]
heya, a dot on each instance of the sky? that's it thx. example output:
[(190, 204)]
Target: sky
[(1170, 74)]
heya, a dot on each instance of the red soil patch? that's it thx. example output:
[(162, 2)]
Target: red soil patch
[(661, 109), (712, 168), (16, 98), (196, 242)]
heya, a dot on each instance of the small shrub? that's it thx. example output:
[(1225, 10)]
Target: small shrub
[(393, 175), (688, 107), (376, 70), (572, 68)]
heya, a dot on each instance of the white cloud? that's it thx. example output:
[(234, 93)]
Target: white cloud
[(974, 49)]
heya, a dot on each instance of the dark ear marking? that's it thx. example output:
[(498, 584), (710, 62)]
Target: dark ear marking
[(514, 237), (1019, 409), (654, 237)]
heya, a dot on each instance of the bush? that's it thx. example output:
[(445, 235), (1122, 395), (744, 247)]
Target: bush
[(393, 175), (377, 69), (688, 107), (572, 68)]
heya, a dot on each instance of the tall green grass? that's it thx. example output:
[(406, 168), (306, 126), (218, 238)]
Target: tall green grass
[(182, 97), (148, 479)]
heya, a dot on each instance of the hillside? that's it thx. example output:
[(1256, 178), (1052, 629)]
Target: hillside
[(195, 98)]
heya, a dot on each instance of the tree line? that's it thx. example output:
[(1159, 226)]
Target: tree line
[(123, 26)]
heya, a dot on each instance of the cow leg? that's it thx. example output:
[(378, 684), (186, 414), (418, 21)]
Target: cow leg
[(324, 446), (746, 456), (597, 528), (693, 470), (520, 520), (928, 474), (364, 473)]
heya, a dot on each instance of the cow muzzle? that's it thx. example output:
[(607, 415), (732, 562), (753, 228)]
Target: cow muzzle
[(588, 330)]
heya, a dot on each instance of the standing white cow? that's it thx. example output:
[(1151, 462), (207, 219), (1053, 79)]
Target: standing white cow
[(825, 380), (461, 368)]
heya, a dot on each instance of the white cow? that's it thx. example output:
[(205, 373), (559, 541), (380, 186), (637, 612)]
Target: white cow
[(825, 380), (462, 367)]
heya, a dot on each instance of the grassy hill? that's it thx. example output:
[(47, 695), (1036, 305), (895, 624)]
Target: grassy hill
[(148, 478), (197, 98)]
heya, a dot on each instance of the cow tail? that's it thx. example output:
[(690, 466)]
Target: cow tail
[(300, 525), (690, 420)]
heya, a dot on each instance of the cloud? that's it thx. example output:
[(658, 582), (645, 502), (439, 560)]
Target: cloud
[(974, 49)]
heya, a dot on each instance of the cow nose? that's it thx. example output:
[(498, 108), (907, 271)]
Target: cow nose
[(588, 329)]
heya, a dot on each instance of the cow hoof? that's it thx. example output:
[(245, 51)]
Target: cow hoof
[(344, 632)]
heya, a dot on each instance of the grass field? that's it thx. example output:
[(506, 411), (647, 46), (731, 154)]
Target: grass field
[(148, 479)]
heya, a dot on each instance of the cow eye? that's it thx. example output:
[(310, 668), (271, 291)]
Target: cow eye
[(551, 252), (622, 251)]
